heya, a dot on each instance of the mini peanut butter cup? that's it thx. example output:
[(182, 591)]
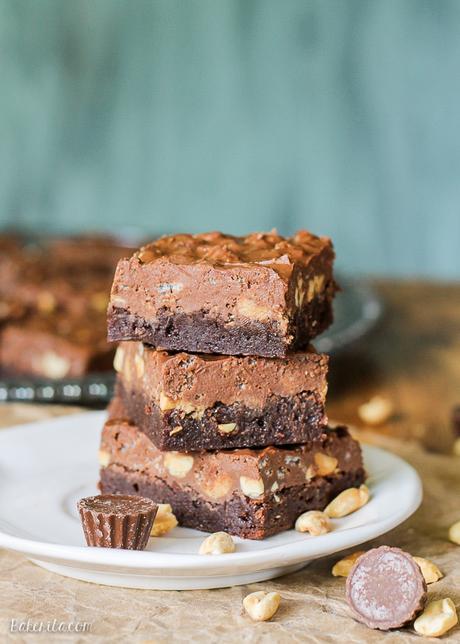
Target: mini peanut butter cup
[(117, 520), (385, 588)]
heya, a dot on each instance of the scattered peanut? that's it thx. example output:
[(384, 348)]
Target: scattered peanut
[(218, 543), (376, 411), (437, 618), (347, 502), (314, 522), (456, 448), (261, 606), (325, 464), (165, 520), (454, 533), (53, 365), (429, 570), (342, 568)]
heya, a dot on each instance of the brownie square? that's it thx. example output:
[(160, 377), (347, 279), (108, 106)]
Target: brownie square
[(251, 493), (54, 346), (262, 294), (53, 302), (186, 401)]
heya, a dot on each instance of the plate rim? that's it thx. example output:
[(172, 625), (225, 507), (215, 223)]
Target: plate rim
[(167, 564)]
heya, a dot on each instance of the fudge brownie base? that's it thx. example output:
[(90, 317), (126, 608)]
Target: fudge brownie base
[(282, 421), (239, 515), (203, 334)]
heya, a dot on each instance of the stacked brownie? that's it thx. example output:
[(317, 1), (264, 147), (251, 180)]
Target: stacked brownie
[(220, 403)]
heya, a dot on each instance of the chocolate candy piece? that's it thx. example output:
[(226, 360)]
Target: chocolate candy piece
[(117, 521), (386, 588)]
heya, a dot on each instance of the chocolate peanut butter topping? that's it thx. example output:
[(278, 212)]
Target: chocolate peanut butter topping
[(195, 382), (215, 248)]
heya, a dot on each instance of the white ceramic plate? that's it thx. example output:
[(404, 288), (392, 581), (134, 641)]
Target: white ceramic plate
[(46, 467)]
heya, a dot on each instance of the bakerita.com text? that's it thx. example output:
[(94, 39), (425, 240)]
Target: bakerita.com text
[(48, 626)]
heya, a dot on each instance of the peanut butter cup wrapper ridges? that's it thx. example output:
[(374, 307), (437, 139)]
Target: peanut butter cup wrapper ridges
[(117, 521)]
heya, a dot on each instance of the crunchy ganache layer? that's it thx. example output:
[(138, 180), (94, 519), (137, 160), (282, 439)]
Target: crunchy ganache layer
[(258, 474), (218, 293), (194, 382)]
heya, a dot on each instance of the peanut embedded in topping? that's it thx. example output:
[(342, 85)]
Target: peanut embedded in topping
[(218, 487), (315, 286), (165, 402), (104, 458), (326, 464), (299, 293), (178, 464), (226, 428), (118, 360), (253, 488)]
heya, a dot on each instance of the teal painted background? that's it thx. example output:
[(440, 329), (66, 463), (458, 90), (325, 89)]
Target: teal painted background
[(339, 115)]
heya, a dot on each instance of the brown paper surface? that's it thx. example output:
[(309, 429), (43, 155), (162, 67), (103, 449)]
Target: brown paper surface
[(313, 607)]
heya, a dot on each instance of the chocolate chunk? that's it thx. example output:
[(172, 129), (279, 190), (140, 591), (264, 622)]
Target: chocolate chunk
[(385, 588), (117, 521), (456, 420)]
